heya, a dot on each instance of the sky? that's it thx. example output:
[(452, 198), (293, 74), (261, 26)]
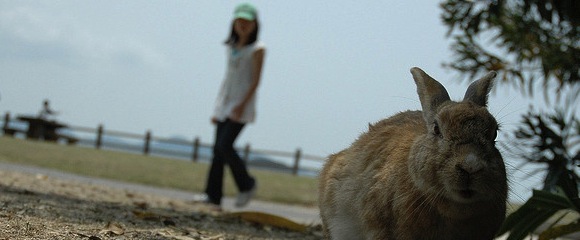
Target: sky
[(330, 68)]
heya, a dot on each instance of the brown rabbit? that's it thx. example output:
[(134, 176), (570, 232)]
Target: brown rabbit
[(434, 174)]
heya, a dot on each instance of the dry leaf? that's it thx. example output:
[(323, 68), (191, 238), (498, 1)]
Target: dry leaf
[(216, 237), (41, 176), (114, 228), (181, 236), (269, 219), (145, 215)]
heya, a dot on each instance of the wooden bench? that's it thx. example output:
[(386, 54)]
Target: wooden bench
[(13, 131)]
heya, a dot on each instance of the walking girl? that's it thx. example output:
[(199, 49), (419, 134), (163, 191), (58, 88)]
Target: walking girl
[(236, 105)]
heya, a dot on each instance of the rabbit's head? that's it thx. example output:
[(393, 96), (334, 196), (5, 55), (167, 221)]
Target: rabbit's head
[(457, 158)]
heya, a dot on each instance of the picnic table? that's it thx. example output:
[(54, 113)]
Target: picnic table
[(43, 129)]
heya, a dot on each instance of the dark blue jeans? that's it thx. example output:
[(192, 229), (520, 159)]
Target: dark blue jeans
[(224, 153)]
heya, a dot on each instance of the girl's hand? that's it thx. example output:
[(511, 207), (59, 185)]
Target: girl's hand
[(237, 113)]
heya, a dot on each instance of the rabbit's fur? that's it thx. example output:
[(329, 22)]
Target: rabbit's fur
[(431, 174)]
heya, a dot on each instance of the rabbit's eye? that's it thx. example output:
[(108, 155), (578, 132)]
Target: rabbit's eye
[(494, 134)]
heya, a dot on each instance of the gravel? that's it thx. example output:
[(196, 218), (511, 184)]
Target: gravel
[(38, 206)]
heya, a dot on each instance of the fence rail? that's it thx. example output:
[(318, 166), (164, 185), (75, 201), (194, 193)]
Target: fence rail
[(148, 138)]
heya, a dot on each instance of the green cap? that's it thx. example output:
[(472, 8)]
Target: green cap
[(245, 11)]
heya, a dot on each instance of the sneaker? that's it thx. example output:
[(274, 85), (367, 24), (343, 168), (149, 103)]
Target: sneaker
[(204, 199), (245, 197), (200, 198)]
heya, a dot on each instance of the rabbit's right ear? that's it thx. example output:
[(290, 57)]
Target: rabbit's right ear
[(431, 93), (478, 91)]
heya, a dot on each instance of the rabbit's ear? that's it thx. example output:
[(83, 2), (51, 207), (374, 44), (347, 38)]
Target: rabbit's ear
[(478, 91), (431, 93)]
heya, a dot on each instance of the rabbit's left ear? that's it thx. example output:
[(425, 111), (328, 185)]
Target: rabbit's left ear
[(479, 90)]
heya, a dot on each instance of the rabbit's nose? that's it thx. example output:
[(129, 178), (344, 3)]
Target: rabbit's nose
[(471, 164)]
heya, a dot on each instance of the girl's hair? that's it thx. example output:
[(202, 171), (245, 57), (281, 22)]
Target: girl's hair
[(233, 38)]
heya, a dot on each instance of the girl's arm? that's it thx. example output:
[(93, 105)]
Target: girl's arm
[(258, 60)]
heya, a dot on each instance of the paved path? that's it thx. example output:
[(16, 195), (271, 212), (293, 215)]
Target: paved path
[(296, 213)]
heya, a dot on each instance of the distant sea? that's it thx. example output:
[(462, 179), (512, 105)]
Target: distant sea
[(184, 152)]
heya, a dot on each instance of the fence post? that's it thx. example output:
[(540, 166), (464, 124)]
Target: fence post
[(195, 149), (247, 153), (296, 161), (6, 121), (99, 141), (147, 141)]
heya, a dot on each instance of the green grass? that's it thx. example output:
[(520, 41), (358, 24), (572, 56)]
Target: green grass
[(149, 170)]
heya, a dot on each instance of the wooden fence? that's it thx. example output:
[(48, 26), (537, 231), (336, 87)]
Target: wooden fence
[(195, 144)]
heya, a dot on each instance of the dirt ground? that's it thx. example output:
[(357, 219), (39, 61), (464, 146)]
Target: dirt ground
[(41, 207)]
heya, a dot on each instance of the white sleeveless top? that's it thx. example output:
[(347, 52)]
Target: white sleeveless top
[(237, 83)]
